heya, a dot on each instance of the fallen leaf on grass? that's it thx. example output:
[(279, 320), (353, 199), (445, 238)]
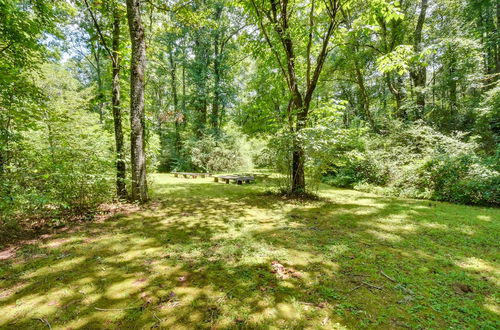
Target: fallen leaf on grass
[(282, 272)]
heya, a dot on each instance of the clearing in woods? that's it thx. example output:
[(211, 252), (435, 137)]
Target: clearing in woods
[(213, 255)]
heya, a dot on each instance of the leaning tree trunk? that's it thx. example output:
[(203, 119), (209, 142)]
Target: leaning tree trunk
[(121, 190), (137, 120)]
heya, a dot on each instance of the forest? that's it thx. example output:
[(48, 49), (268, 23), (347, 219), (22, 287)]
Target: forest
[(249, 164)]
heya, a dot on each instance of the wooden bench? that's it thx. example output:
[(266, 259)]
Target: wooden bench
[(238, 179), (192, 175)]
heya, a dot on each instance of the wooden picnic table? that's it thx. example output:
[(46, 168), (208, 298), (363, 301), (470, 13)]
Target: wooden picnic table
[(192, 175), (239, 179)]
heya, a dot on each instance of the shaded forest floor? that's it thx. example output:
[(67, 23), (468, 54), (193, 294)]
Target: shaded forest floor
[(207, 255)]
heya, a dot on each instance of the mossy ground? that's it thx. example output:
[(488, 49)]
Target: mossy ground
[(200, 256)]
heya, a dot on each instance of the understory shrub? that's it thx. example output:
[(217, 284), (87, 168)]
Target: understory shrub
[(327, 146), (230, 151), (63, 161), (418, 162)]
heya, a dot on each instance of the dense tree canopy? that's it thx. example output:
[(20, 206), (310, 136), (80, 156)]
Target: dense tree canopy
[(339, 91), (249, 164)]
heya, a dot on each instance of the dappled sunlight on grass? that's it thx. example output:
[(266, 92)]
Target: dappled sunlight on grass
[(204, 254), (486, 269)]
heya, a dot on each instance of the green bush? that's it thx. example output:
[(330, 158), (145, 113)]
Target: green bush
[(231, 151), (62, 162), (418, 162)]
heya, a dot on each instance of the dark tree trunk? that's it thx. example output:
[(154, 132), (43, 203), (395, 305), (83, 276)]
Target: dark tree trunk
[(364, 97), (419, 74), (201, 77), (217, 76), (184, 89), (5, 140), (298, 174), (498, 39), (100, 97), (121, 190), (137, 118), (278, 14)]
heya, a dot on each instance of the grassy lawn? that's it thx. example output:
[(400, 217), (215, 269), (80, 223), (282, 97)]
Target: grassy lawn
[(207, 255)]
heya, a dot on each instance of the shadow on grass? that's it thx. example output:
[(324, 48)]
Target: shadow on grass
[(200, 255)]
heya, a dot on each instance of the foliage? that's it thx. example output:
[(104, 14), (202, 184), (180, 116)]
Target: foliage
[(228, 152), (416, 161), (64, 162), (487, 126)]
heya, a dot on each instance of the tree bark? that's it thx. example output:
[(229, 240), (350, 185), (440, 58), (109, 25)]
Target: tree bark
[(137, 117), (121, 190), (216, 102), (200, 78)]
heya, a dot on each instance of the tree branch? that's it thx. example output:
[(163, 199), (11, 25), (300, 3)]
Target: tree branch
[(268, 40), (99, 32), (309, 43)]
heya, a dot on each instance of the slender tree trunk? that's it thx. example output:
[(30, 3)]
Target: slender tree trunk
[(216, 98), (183, 89), (100, 105), (498, 39), (419, 74), (217, 75), (201, 77), (173, 78), (121, 190), (298, 174), (398, 94), (5, 140), (365, 99), (137, 117)]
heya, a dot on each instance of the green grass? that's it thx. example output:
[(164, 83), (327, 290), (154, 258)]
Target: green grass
[(200, 256)]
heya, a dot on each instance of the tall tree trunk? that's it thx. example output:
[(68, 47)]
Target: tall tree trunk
[(137, 118), (365, 98), (200, 78), (173, 79), (298, 174), (121, 190), (217, 75), (419, 74), (398, 96), (497, 32), (5, 139), (184, 89), (100, 97)]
